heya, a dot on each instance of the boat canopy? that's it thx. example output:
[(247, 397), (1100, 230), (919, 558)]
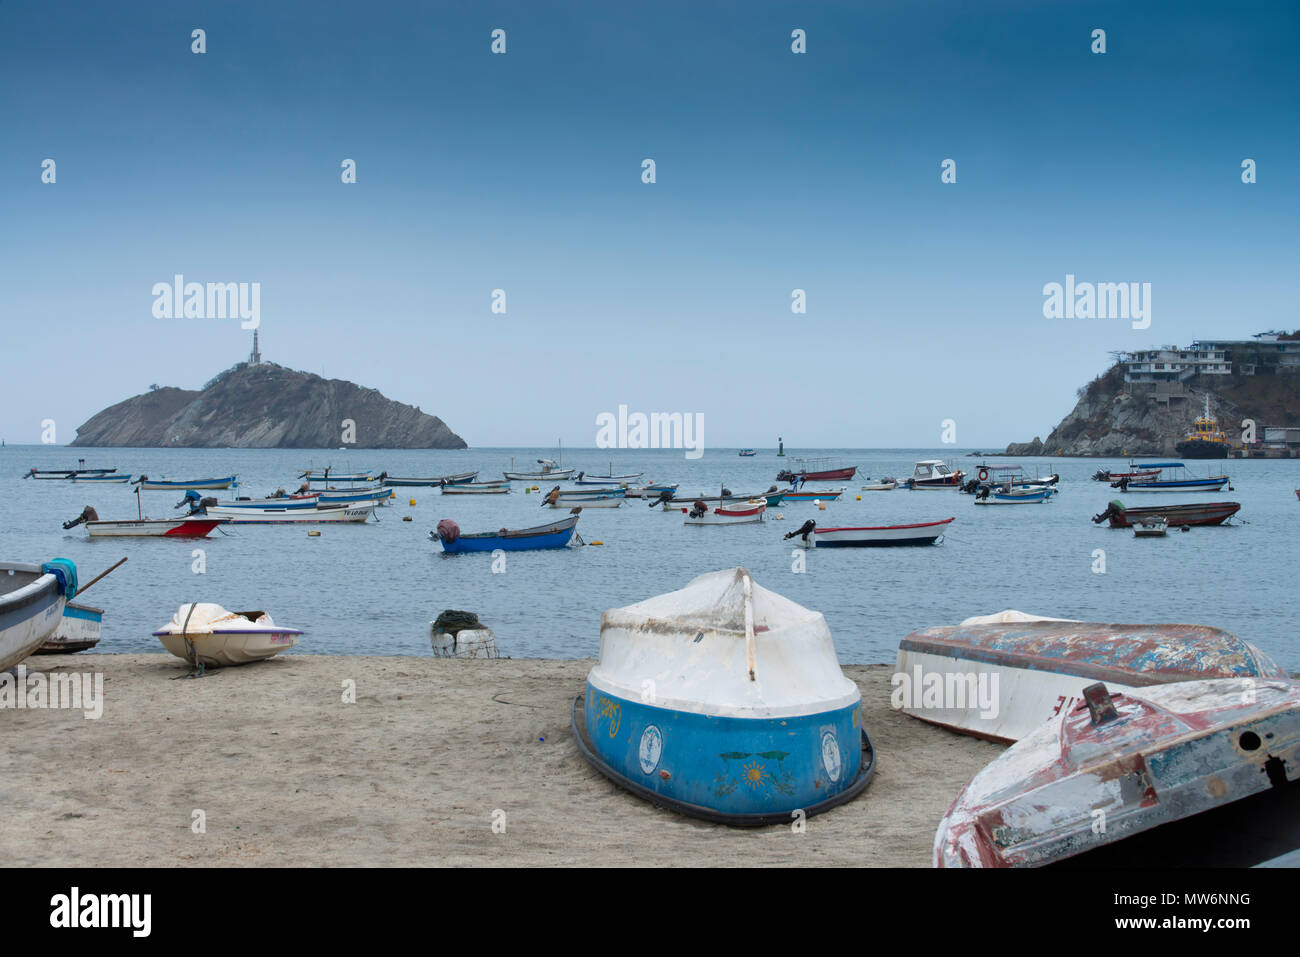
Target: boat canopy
[(689, 649)]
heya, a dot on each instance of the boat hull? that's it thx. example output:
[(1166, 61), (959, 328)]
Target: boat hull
[(1201, 449), (727, 515), (555, 535), (294, 516), (1211, 513), (197, 485), (728, 765), (604, 501), (1190, 485), (824, 495), (556, 475), (154, 528), (29, 613), (78, 630), (1022, 497), (880, 536), (459, 479)]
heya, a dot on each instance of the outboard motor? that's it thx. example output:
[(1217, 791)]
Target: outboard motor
[(698, 508), (664, 498), (448, 531), (1104, 516), (983, 493), (88, 514), (1122, 484), (803, 531), (191, 499)]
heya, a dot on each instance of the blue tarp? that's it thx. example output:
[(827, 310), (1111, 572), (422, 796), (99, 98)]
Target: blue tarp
[(65, 571)]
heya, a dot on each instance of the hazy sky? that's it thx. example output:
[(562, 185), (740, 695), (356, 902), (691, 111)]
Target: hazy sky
[(523, 172)]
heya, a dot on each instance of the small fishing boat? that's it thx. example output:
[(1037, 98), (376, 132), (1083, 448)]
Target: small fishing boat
[(702, 514), (280, 503), (869, 536), (1153, 527), (350, 496), (1105, 475), (1009, 495), (289, 513), (676, 503), (549, 471), (1171, 479), (62, 474), (747, 453), (552, 535), (934, 474), (78, 630), (326, 476), (108, 478), (1208, 513), (460, 478), (818, 470), (749, 720), (611, 479), (1008, 476), (884, 485), (593, 501), (1001, 676), (186, 527), (809, 495), (181, 485), (578, 494), (208, 636), (32, 599), (651, 491), (1133, 761), (484, 488)]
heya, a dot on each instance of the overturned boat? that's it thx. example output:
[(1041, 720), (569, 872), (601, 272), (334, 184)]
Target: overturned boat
[(1120, 764), (207, 636), (724, 701), (1002, 676)]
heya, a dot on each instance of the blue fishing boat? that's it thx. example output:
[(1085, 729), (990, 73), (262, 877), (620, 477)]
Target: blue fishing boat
[(350, 496), (747, 453), (551, 535), (1172, 478), (1012, 495), (725, 701)]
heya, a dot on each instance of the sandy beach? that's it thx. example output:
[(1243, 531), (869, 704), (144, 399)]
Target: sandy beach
[(288, 774)]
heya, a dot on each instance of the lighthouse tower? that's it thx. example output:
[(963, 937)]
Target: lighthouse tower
[(254, 357)]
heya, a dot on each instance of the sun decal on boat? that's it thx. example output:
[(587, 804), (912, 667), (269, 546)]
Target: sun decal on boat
[(755, 775)]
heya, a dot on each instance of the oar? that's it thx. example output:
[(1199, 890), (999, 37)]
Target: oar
[(98, 577)]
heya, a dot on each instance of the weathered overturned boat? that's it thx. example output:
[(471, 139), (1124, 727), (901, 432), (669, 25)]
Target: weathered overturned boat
[(552, 535), (1001, 679), (724, 701), (869, 536), (1120, 764), (78, 630), (32, 599), (206, 635), (1208, 513)]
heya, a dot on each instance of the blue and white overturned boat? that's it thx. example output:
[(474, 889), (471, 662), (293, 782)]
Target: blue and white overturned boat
[(724, 701)]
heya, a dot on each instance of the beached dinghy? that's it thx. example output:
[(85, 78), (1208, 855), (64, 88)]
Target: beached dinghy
[(32, 599), (1132, 762), (749, 719), (206, 635), (183, 485), (78, 630), (552, 535), (1000, 677), (1210, 513), (809, 535)]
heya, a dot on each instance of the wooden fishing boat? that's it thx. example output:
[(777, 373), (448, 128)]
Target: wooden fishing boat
[(552, 535), (1133, 761), (1207, 513), (1000, 677), (750, 719), (252, 505), (1171, 479), (1154, 527), (78, 630), (988, 495), (460, 478), (869, 536), (208, 636), (886, 485), (686, 501), (650, 491), (818, 470), (62, 474), (611, 479), (597, 501), (549, 471), (484, 488), (934, 474), (82, 478), (809, 495), (32, 599), (181, 485), (291, 514), (1105, 475), (352, 496), (701, 514), (326, 476)]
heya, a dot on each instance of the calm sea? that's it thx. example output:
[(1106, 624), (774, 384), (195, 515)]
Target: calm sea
[(373, 588)]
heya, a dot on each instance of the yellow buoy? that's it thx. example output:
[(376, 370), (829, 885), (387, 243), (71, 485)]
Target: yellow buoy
[(859, 498), (412, 501), (596, 542)]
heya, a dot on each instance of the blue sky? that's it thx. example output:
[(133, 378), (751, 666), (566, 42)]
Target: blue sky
[(522, 172)]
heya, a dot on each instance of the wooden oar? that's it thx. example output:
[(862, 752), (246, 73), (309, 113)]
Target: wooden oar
[(98, 577)]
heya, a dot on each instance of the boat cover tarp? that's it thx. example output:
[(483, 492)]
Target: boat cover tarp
[(65, 571), (205, 619)]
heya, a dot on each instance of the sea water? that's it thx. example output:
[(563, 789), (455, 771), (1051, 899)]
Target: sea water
[(373, 589)]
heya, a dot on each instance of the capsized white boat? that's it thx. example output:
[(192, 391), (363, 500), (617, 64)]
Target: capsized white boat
[(1001, 676), (725, 701), (32, 599), (206, 635)]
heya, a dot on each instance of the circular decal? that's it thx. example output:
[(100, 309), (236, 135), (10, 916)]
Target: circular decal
[(831, 756), (652, 746)]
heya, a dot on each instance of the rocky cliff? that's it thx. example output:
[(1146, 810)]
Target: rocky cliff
[(1108, 421), (266, 406)]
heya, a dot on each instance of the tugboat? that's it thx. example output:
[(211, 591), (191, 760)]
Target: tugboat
[(1205, 441)]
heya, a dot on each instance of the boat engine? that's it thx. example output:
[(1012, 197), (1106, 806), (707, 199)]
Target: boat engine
[(1122, 484), (201, 506), (448, 530), (1104, 516), (983, 492), (1101, 475), (88, 514), (664, 498), (803, 530), (698, 509)]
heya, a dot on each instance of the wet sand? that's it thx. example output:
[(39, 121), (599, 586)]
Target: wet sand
[(288, 774)]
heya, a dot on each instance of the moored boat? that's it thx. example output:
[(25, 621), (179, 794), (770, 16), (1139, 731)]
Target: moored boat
[(552, 535), (1011, 495), (289, 513), (485, 488), (351, 496), (818, 470), (1207, 513), (750, 720), (747, 453), (32, 599), (1206, 440), (869, 536), (78, 630), (884, 485), (811, 494), (611, 479), (549, 471), (326, 476), (1000, 677), (460, 478), (61, 474), (189, 526), (107, 478), (934, 474), (1171, 479), (591, 501), (207, 636), (1131, 761), (184, 485), (1152, 527), (702, 514)]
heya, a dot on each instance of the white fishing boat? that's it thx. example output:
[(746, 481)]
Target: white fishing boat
[(650, 491), (934, 474), (352, 496), (871, 536), (190, 526), (595, 501), (32, 599), (206, 635), (702, 514), (887, 485), (475, 489), (78, 630), (290, 514), (1154, 527), (108, 479), (549, 471), (749, 720), (1001, 676), (185, 485)]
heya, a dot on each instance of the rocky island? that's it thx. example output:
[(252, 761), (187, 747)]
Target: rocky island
[(261, 405)]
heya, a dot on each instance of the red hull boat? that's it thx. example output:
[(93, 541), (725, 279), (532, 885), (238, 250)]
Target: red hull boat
[(1209, 513)]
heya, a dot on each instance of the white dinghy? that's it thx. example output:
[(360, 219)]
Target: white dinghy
[(206, 635)]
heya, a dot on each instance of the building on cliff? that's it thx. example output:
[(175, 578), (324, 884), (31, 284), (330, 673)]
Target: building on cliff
[(1266, 353)]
